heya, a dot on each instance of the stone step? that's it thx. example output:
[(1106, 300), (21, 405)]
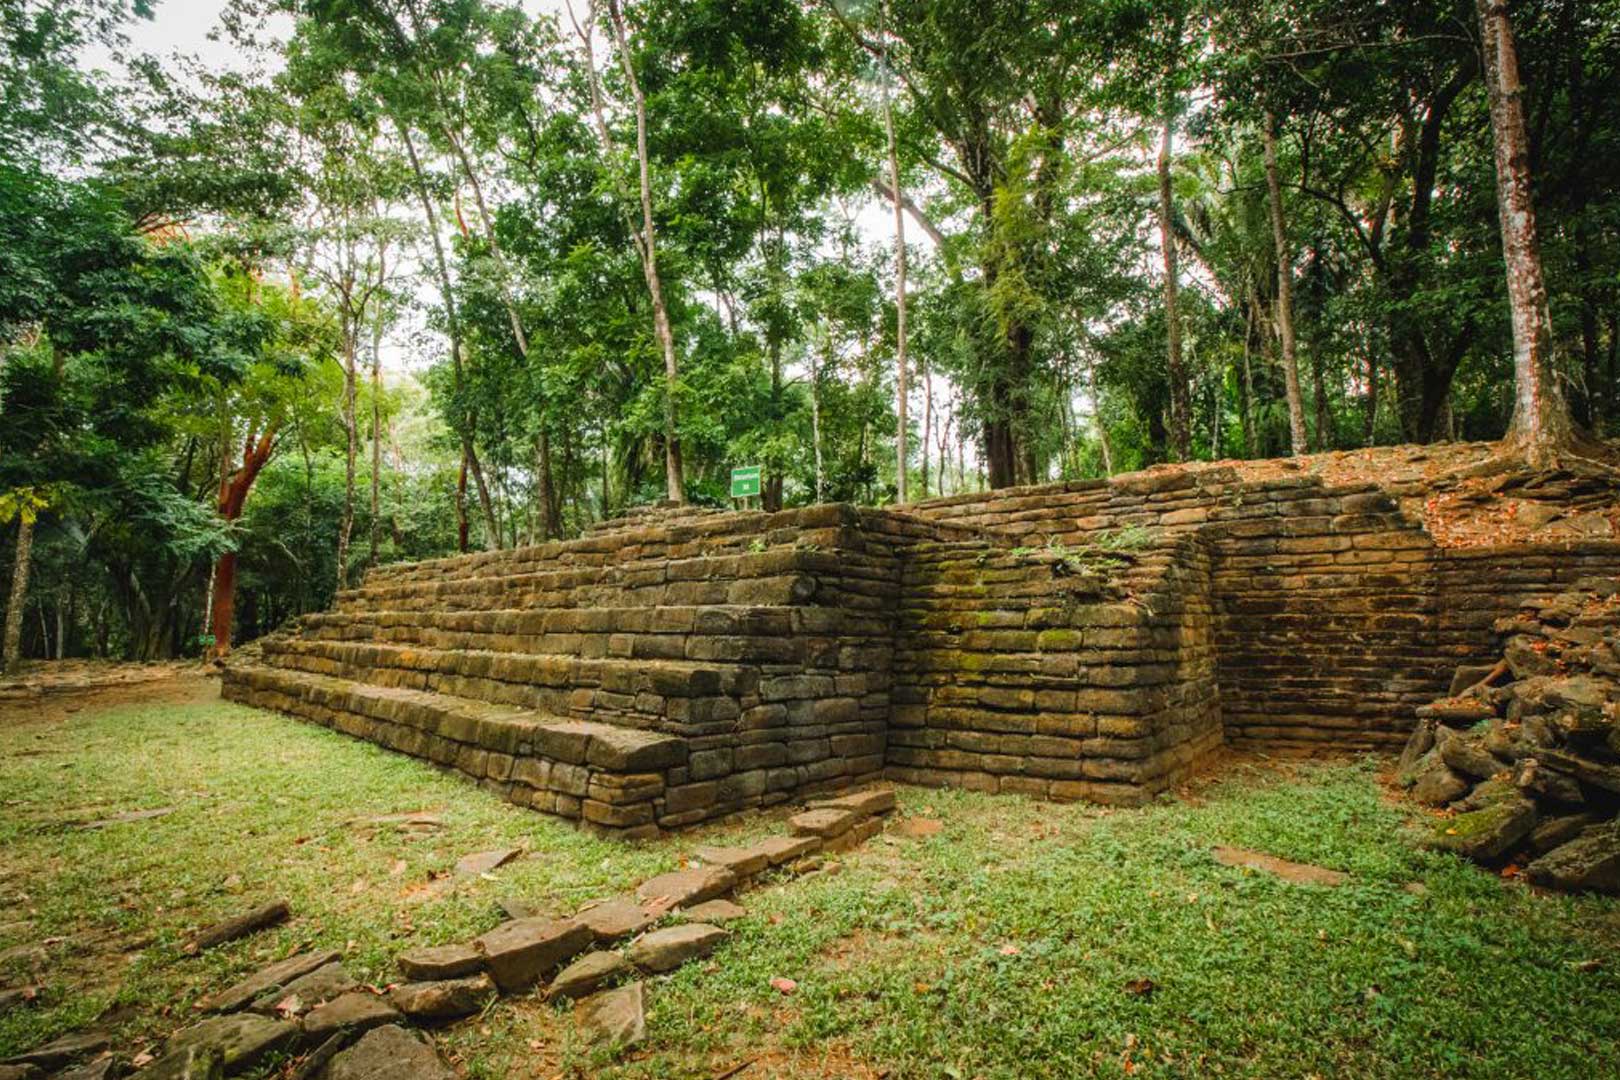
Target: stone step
[(630, 692), (725, 632), (612, 777), (774, 577)]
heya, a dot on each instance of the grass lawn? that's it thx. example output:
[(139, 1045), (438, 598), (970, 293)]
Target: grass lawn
[(1008, 945)]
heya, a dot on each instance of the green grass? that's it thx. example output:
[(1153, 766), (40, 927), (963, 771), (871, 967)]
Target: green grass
[(1002, 947)]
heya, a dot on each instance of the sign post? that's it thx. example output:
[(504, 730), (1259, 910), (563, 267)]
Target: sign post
[(745, 484)]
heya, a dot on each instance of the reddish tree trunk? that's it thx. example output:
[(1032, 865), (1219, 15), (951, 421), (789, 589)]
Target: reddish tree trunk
[(233, 493)]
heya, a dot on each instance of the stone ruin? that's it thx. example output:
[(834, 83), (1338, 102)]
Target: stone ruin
[(1092, 640)]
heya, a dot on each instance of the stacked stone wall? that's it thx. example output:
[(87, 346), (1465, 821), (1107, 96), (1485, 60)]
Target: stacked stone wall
[(1336, 615), (1059, 675)]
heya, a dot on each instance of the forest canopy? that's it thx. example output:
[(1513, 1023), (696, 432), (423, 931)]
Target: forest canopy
[(414, 277)]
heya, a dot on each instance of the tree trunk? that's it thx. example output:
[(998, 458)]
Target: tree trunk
[(1285, 294), (900, 364), (376, 436), (233, 493), (1370, 418), (1541, 424), (11, 655), (815, 414), (1180, 403), (543, 485), (346, 525), (674, 483), (928, 423)]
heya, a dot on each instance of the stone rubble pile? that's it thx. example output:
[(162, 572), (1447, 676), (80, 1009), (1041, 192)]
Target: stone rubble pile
[(309, 1009), (1525, 756)]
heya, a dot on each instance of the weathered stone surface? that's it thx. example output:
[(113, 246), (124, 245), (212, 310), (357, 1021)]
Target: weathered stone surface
[(1466, 754), (865, 803), (242, 1039), (615, 919), (1546, 785), (435, 963), (64, 1051), (389, 1053), (449, 999), (1487, 834), (1434, 783), (744, 862), (1588, 863), (20, 1072), (307, 991), (358, 1010), (614, 1017), (482, 862), (822, 823), (267, 979), (242, 925), (107, 1067), (1421, 742), (588, 974), (714, 912), (16, 997), (785, 849), (1297, 873), (1556, 831), (519, 952), (669, 948), (686, 887), (186, 1063)]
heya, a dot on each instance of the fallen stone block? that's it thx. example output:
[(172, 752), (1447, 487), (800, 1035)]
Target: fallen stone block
[(242, 1040), (1487, 834), (449, 999), (267, 979), (64, 1051), (865, 803), (683, 888), (669, 948), (744, 862), (242, 925), (714, 912), (482, 862), (519, 952), (1588, 863), (785, 849), (615, 919), (588, 974), (1297, 873), (613, 1017), (438, 962), (307, 991), (358, 1010), (824, 824), (389, 1053)]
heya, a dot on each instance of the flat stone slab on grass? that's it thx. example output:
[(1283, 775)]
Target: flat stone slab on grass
[(103, 1068), (858, 834), (825, 824), (187, 1063), (785, 849), (714, 912), (389, 1053), (243, 1039), (684, 888), (359, 1010), (744, 862), (615, 919), (437, 962), (517, 953), (307, 991), (614, 1017), (266, 979), (1589, 862), (919, 828), (482, 862), (129, 816), (669, 948), (588, 974), (1298, 873), (433, 1002), (865, 803), (63, 1051)]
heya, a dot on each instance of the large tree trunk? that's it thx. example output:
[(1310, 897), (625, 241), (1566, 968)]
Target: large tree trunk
[(1180, 399), (346, 524), (1541, 424), (233, 493), (674, 483), (1285, 295), (11, 654), (901, 390), (376, 436)]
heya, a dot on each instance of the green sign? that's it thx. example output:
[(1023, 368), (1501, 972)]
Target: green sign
[(745, 482)]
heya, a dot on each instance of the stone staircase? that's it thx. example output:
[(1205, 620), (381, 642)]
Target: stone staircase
[(663, 668)]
